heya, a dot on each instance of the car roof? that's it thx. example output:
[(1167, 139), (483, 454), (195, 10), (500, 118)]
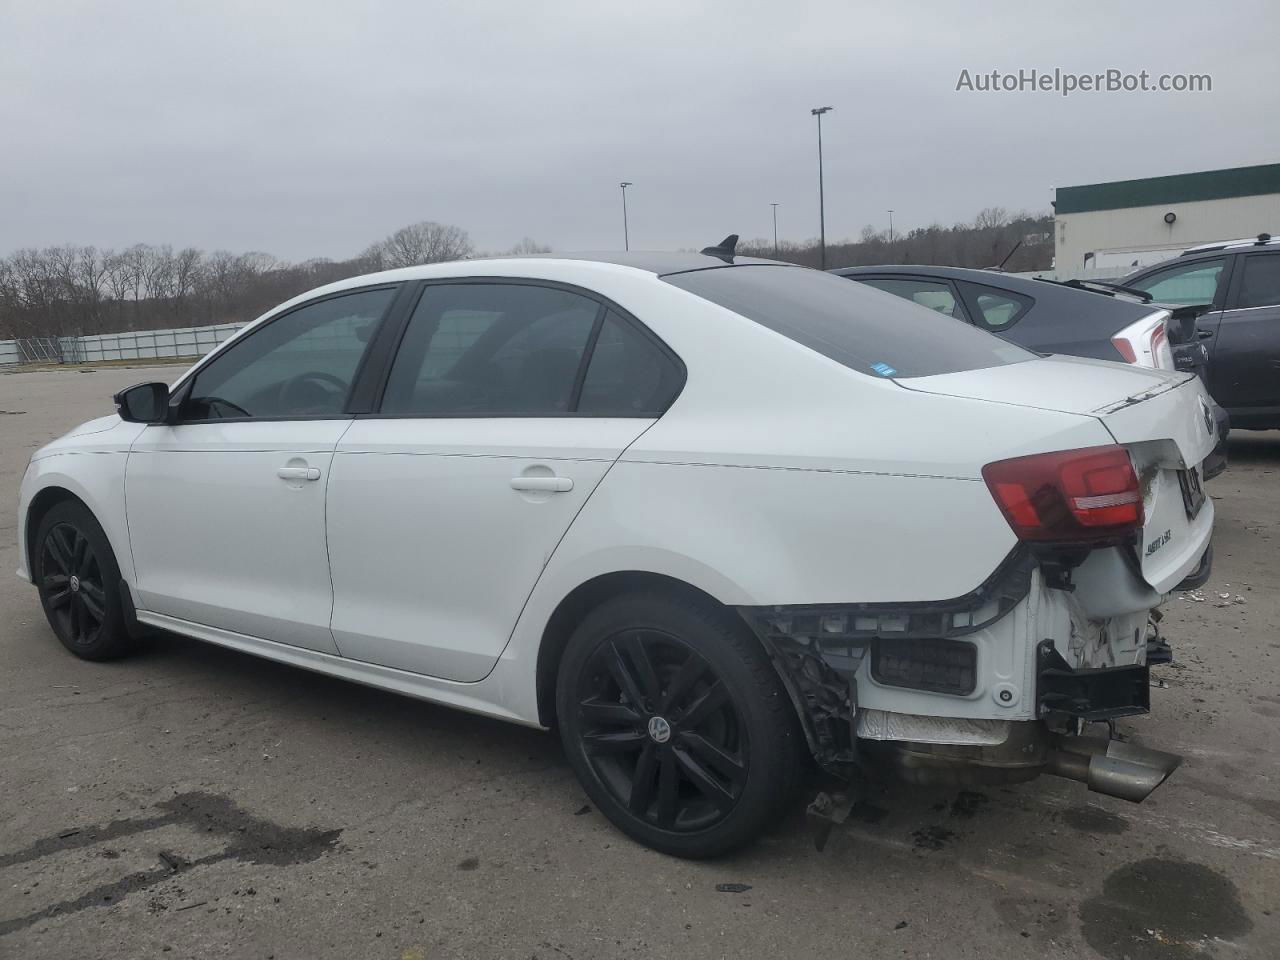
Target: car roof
[(652, 264), (659, 262), (655, 263), (1207, 252), (1055, 296), (1261, 240)]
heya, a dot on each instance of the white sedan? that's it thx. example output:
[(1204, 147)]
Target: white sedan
[(703, 514)]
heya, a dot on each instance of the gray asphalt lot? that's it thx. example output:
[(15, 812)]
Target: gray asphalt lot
[(196, 802)]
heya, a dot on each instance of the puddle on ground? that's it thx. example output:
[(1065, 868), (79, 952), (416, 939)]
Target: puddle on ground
[(1162, 910), (250, 840)]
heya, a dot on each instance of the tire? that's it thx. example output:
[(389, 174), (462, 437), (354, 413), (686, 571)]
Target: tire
[(78, 578), (676, 724)]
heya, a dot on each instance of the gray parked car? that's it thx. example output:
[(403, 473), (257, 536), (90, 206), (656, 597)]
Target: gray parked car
[(1084, 319), (1234, 287)]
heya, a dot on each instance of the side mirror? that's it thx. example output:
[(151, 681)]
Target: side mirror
[(143, 403)]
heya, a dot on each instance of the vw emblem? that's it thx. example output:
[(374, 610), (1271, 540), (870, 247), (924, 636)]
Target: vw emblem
[(659, 730), (74, 584), (1208, 416)]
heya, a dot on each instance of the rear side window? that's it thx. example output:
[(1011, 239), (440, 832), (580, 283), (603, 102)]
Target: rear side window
[(862, 328), (997, 310), (1259, 281), (490, 349), (927, 293), (629, 375)]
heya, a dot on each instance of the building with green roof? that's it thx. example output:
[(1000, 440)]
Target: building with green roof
[(1127, 223)]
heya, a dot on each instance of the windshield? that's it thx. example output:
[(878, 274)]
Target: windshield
[(865, 329)]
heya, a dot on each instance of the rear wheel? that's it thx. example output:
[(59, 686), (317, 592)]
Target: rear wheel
[(676, 724), (79, 582)]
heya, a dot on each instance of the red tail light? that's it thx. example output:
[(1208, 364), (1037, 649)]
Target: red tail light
[(1089, 494)]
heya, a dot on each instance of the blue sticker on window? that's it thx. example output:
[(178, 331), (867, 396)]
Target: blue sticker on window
[(883, 369)]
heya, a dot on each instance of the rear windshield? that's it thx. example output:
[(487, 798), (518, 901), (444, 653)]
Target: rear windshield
[(865, 329)]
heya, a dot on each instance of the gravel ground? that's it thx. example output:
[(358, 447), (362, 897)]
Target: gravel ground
[(195, 802)]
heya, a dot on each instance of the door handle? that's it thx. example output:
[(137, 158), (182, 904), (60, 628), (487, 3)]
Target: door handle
[(298, 473), (1204, 334), (546, 484)]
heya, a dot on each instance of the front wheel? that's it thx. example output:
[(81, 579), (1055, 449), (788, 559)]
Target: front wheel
[(676, 724), (79, 582)]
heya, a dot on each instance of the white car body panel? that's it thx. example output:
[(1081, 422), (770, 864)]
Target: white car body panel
[(778, 476), (418, 584), (220, 539), (89, 461), (1164, 419)]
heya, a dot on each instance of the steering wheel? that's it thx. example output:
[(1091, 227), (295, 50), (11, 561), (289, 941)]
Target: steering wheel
[(309, 391)]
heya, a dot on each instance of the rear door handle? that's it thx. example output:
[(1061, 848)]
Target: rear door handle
[(1204, 334), (547, 484), (298, 473)]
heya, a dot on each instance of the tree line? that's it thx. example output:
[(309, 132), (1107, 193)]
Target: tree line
[(80, 290), (1015, 242)]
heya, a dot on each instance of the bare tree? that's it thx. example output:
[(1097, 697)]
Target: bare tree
[(991, 218), (425, 242), (527, 247)]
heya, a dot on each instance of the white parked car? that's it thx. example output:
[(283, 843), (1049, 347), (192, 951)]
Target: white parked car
[(702, 514)]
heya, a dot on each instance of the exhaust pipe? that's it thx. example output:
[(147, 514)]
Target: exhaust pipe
[(1110, 766)]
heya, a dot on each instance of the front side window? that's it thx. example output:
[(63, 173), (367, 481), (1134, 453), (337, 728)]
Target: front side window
[(1185, 284), (490, 349), (301, 364), (998, 310), (864, 331), (1260, 281), (927, 293)]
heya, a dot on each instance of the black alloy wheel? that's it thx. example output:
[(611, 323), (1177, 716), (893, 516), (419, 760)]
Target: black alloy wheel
[(660, 731), (676, 723), (71, 584), (78, 578)]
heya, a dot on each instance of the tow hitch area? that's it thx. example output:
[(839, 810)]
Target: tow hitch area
[(1113, 767), (1093, 694)]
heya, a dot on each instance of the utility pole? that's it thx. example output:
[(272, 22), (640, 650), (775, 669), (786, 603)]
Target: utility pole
[(822, 206), (775, 228), (626, 237), (891, 228)]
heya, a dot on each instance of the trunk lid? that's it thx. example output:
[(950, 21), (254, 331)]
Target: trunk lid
[(1164, 419)]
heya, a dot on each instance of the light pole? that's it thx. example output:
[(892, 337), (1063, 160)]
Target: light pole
[(891, 228), (626, 238), (822, 207), (775, 228)]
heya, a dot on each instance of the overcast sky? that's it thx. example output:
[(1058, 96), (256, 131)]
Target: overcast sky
[(314, 128)]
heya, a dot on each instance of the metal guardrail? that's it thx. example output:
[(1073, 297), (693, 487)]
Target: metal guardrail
[(183, 342)]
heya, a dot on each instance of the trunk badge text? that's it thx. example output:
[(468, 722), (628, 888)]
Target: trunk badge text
[(1159, 542)]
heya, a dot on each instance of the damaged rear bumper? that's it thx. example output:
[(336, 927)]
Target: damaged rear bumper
[(981, 689), (1111, 767)]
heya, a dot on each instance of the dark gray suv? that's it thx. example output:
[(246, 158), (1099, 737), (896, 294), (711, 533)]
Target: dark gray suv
[(1237, 286)]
